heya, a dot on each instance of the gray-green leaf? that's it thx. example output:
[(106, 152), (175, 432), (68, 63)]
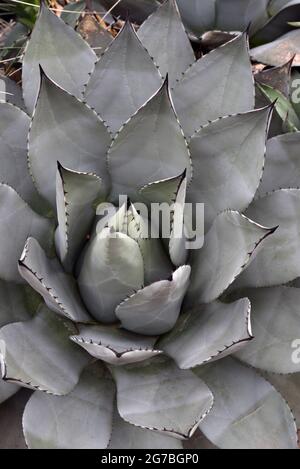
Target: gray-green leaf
[(211, 88), (80, 420), (54, 136), (209, 333), (39, 354), (248, 412), (157, 395), (47, 277), (62, 53), (155, 309), (127, 74)]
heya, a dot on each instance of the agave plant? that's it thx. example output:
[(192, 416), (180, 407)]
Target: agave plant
[(131, 340)]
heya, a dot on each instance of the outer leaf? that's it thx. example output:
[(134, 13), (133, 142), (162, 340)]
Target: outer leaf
[(134, 160), (289, 387), (15, 303), (81, 420), (209, 333), (275, 322), (279, 51), (115, 346), (169, 45), (278, 262), (158, 396), (45, 48), (54, 136), (75, 194), (164, 191), (248, 412), (10, 92), (212, 86), (155, 309), (228, 249), (7, 390), (236, 15), (126, 436), (112, 268), (47, 277), (17, 222), (177, 242), (14, 127), (198, 16), (228, 158), (72, 18), (282, 168), (127, 74), (38, 354)]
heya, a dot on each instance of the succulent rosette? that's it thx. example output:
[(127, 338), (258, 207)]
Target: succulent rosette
[(130, 340)]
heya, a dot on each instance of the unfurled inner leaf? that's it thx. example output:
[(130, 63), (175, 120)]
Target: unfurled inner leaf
[(155, 309)]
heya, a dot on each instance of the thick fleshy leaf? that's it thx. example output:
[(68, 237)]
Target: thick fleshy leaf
[(127, 74), (47, 277), (198, 16), (75, 194), (279, 51), (64, 55), (80, 420), (279, 260), (155, 309), (39, 354), (229, 247), (228, 159), (17, 302), (17, 222), (164, 191), (277, 77), (157, 265), (211, 88), (177, 242), (7, 390), (248, 412), (114, 345), (112, 268), (54, 136), (282, 169), (283, 106), (134, 160), (126, 436), (281, 14), (14, 127), (275, 319), (208, 333), (164, 37), (157, 395), (237, 15), (289, 388), (10, 92)]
